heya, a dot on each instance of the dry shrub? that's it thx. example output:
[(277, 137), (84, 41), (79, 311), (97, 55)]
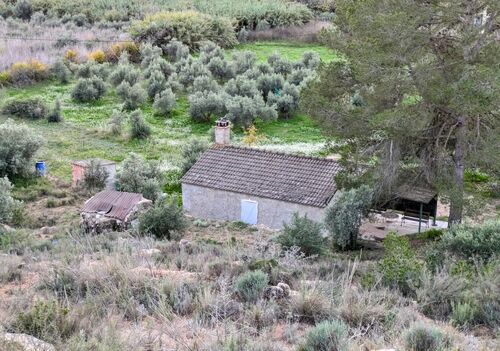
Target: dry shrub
[(97, 56), (115, 51), (28, 72), (71, 56), (310, 306)]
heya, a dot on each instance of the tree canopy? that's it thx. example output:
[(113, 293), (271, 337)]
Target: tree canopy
[(417, 95)]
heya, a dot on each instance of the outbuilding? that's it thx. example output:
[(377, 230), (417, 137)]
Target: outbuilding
[(257, 186), (79, 168), (112, 210)]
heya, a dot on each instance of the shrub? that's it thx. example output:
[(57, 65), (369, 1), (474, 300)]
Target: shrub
[(286, 101), (124, 72), (95, 177), (32, 108), (189, 72), (469, 241), (189, 27), (71, 56), (139, 129), (129, 48), (303, 233), (202, 106), (54, 115), (243, 110), (156, 83), (209, 50), (18, 145), (280, 65), (300, 77), (91, 69), (23, 10), (176, 50), (311, 60), (243, 61), (241, 86), (61, 72), (310, 306), (132, 96), (220, 68), (270, 83), (343, 217), (26, 73), (250, 285), (163, 220), (97, 56), (425, 338), (326, 336), (116, 122), (205, 84), (164, 102), (88, 89), (400, 267), (137, 174), (191, 152), (7, 203)]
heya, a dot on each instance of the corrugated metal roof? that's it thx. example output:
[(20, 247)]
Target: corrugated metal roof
[(114, 204), (292, 178)]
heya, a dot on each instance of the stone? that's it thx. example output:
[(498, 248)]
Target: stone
[(24, 342), (285, 287)]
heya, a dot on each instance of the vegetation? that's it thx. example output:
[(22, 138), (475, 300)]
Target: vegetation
[(32, 108), (251, 285), (139, 176), (326, 336), (164, 220), (95, 177), (303, 233), (424, 113), (7, 204)]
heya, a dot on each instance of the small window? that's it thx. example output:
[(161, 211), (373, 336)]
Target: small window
[(249, 211)]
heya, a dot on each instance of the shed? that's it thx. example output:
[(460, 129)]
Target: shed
[(112, 210), (257, 186), (79, 167)]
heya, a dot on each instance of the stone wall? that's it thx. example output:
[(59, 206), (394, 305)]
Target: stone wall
[(207, 203)]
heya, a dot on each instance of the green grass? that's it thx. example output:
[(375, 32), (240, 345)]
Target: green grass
[(83, 133)]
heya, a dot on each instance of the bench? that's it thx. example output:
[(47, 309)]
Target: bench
[(412, 215)]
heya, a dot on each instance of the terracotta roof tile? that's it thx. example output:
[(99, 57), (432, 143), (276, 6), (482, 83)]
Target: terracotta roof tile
[(299, 179)]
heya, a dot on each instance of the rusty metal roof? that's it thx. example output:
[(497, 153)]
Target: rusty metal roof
[(280, 176), (113, 204), (85, 163), (416, 193)]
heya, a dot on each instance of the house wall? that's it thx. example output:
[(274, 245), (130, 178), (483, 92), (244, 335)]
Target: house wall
[(209, 203)]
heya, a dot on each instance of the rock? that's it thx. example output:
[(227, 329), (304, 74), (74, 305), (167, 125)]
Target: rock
[(48, 230), (274, 293), (285, 287), (23, 342), (184, 244)]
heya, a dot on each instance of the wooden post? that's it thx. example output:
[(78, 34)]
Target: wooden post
[(420, 217)]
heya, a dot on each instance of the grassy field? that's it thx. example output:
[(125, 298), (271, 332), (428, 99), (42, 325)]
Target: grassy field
[(83, 133)]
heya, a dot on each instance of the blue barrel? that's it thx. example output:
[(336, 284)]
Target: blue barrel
[(41, 170)]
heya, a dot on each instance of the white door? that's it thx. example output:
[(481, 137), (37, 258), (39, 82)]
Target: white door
[(249, 211)]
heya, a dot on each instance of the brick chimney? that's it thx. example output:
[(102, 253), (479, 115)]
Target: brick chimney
[(222, 132)]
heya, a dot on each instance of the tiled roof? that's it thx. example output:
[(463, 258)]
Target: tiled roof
[(298, 179), (114, 204), (416, 193)]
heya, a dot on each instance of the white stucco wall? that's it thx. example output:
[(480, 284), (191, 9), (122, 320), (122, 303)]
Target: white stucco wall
[(207, 203)]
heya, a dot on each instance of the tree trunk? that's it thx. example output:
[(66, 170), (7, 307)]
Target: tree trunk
[(456, 198)]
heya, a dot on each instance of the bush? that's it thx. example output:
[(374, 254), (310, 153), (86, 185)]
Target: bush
[(124, 72), (280, 65), (189, 27), (61, 72), (116, 122), (286, 101), (300, 77), (7, 203), (26, 73), (23, 10), (220, 68), (250, 285), (156, 83), (54, 115), (88, 89), (137, 176), (243, 110), (241, 86), (400, 267), (270, 83), (128, 48), (343, 217), (132, 96), (176, 50), (203, 106), (243, 61), (97, 56), (469, 241), (326, 336), (424, 338), (91, 69), (205, 84), (303, 233), (311, 60), (32, 108), (210, 50), (163, 220), (139, 129), (191, 152), (71, 56), (18, 145), (95, 177), (190, 71), (164, 102)]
